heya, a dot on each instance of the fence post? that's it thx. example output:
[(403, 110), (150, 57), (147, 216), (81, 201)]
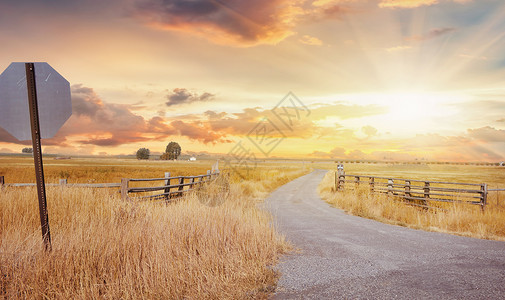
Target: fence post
[(341, 181), (426, 191), (390, 186), (209, 175), (2, 181), (340, 172), (356, 180), (407, 188), (483, 200), (181, 187), (124, 188), (167, 183), (372, 184), (63, 181), (192, 181)]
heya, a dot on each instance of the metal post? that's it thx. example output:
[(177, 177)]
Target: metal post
[(37, 154), (2, 181), (167, 183)]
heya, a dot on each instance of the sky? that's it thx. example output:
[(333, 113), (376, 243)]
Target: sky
[(332, 79)]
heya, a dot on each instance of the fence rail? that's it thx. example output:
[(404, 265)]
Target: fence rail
[(418, 192), (169, 190), (63, 182)]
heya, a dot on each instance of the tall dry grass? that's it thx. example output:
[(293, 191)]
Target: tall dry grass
[(466, 220), (106, 248)]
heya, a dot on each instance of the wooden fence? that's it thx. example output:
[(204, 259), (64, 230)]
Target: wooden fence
[(418, 192), (169, 190)]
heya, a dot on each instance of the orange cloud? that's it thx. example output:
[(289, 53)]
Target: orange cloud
[(239, 23)]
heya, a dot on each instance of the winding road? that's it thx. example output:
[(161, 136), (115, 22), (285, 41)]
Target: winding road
[(347, 257)]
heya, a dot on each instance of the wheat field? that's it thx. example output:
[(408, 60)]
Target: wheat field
[(106, 248)]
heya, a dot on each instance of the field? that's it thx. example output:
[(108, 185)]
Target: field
[(96, 170), (467, 220), (211, 244), (106, 248)]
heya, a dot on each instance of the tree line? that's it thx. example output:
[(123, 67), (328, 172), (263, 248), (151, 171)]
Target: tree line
[(172, 152)]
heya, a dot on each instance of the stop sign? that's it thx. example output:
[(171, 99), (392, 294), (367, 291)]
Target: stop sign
[(53, 95)]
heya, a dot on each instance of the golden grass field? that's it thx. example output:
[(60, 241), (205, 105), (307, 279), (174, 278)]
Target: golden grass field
[(96, 170), (106, 248), (461, 219)]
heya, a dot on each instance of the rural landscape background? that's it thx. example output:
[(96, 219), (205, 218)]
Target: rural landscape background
[(383, 79), (263, 92)]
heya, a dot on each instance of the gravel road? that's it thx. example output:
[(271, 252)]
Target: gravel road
[(347, 257)]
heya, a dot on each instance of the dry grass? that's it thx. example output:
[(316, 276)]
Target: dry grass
[(106, 248), (467, 220)]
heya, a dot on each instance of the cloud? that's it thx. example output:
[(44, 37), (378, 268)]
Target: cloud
[(310, 40), (436, 32), (398, 49), (241, 23), (98, 123), (238, 23), (406, 3), (487, 134), (199, 131), (182, 96), (108, 124), (369, 131)]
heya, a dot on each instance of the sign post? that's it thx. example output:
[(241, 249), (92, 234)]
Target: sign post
[(37, 153), (34, 102)]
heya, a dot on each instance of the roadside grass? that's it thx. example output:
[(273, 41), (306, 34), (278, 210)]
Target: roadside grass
[(465, 220), (106, 248)]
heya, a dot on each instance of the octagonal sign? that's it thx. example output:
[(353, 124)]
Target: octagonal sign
[(53, 96)]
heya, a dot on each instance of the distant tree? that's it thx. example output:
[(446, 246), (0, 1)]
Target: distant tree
[(143, 153), (27, 150), (172, 151)]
